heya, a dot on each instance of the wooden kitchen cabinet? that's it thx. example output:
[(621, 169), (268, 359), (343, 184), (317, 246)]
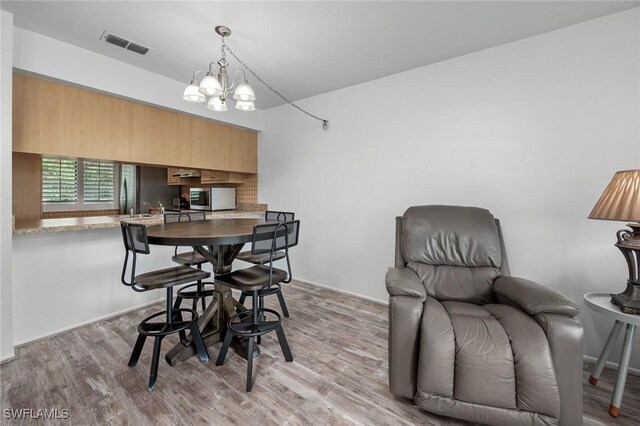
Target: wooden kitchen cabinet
[(27, 186), (213, 176), (170, 179), (78, 123), (219, 176)]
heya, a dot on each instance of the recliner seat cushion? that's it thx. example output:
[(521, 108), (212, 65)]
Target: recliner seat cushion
[(489, 364), (473, 285)]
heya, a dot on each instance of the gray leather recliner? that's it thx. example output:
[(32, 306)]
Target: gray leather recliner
[(467, 340)]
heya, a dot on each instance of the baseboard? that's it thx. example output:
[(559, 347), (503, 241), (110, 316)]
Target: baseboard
[(9, 358), (339, 290), (586, 358), (610, 365), (18, 345)]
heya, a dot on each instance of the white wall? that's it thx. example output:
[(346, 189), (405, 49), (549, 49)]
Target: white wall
[(532, 130), (66, 279), (6, 59), (38, 54)]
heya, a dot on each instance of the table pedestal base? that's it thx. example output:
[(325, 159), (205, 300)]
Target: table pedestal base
[(185, 348), (217, 313)]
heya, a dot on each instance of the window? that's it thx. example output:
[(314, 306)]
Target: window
[(59, 180), (69, 184), (97, 185)]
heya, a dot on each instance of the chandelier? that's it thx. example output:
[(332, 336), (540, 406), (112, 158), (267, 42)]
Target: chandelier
[(217, 87)]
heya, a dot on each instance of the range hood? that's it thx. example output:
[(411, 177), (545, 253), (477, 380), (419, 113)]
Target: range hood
[(187, 173)]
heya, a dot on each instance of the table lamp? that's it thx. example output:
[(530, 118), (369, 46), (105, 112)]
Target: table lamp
[(621, 201)]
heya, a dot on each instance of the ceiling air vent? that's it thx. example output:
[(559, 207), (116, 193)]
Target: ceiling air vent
[(120, 42), (124, 43), (137, 48)]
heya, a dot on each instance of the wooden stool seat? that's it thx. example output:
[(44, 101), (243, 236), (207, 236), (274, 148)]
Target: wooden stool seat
[(190, 258), (169, 277)]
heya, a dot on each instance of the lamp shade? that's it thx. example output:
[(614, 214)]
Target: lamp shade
[(210, 86), (620, 199), (216, 104), (244, 93), (192, 93), (245, 106)]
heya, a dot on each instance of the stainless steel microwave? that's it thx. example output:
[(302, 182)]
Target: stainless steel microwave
[(213, 198)]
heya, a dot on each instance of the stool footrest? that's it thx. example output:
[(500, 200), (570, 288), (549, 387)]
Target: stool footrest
[(190, 291), (248, 329), (274, 289), (147, 327)]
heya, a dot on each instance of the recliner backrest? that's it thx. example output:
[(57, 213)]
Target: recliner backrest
[(456, 251)]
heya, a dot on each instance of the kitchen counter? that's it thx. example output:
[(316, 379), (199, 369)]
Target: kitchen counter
[(44, 226)]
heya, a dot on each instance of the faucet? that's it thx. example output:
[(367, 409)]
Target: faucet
[(131, 212), (160, 206)]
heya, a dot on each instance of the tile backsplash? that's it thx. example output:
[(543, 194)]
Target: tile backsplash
[(247, 193)]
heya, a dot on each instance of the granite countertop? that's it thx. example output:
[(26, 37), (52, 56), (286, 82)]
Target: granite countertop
[(45, 226)]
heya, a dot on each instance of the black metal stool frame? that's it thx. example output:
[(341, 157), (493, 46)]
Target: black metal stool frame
[(238, 324), (173, 317), (271, 215)]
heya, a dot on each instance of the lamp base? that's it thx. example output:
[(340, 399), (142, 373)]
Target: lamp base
[(628, 300), (629, 245)]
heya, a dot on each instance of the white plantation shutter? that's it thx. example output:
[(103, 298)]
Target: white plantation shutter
[(78, 185), (98, 183), (59, 180)]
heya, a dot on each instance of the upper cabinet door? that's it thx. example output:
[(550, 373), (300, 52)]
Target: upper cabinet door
[(219, 176), (51, 118), (171, 180), (213, 176)]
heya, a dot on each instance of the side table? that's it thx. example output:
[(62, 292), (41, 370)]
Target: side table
[(601, 303)]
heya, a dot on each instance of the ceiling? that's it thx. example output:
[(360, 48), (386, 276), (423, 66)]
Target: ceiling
[(301, 48)]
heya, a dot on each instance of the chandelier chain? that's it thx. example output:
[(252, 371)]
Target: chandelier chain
[(325, 123)]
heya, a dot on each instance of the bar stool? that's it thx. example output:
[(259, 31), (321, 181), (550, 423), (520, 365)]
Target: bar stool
[(261, 259), (200, 290), (250, 324), (136, 242)]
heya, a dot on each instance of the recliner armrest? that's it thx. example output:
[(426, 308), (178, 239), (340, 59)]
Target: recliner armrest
[(534, 298), (404, 282)]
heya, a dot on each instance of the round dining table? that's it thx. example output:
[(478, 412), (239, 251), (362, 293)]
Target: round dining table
[(219, 241), (211, 238)]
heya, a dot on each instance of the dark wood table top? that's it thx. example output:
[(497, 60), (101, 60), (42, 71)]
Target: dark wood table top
[(212, 232)]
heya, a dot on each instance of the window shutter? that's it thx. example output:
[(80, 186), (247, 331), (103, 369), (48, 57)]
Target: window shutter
[(98, 182), (59, 180)]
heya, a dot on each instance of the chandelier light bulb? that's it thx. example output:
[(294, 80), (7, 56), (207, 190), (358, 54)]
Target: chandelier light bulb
[(216, 104), (210, 86), (245, 106), (244, 93), (192, 93), (219, 87)]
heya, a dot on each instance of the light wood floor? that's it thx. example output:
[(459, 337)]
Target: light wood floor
[(339, 375)]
